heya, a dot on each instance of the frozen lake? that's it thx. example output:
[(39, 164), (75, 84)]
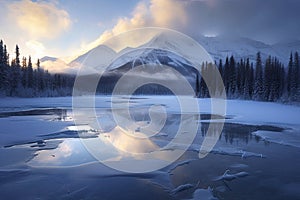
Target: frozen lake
[(43, 154)]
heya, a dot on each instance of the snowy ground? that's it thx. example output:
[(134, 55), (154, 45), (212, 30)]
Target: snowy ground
[(43, 157)]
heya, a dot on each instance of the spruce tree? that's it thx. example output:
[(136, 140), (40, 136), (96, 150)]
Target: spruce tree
[(292, 78), (289, 76), (232, 77), (282, 81), (240, 77), (4, 70), (15, 76), (246, 92), (221, 71), (267, 79), (30, 73), (2, 67), (258, 81), (297, 77), (24, 72), (40, 76), (251, 81), (226, 75), (203, 87), (17, 56)]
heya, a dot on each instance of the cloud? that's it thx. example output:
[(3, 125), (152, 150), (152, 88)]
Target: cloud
[(246, 18), (158, 13), (36, 47), (168, 13), (269, 20), (40, 20), (58, 66)]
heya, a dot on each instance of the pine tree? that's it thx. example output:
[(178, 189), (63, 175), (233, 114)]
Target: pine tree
[(18, 78), (282, 81), (240, 77), (17, 56), (4, 70), (40, 77), (297, 76), (24, 72), (221, 71), (267, 79), (197, 86), (2, 67), (275, 79), (226, 75), (292, 77), (289, 76), (30, 73), (251, 81), (232, 77), (203, 87), (246, 92), (15, 78), (258, 82)]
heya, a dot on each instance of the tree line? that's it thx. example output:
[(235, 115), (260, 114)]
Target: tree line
[(22, 78), (264, 81)]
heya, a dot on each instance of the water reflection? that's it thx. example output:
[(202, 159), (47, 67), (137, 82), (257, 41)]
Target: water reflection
[(61, 113), (70, 152), (240, 133), (113, 142)]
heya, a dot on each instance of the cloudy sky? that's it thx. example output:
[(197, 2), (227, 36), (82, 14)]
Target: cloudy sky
[(65, 28)]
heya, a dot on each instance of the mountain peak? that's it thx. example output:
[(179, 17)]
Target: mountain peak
[(218, 47), (48, 58)]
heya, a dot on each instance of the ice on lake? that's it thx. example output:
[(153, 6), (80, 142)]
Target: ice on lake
[(42, 148)]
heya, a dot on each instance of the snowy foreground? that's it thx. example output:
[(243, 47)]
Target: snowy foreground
[(44, 155)]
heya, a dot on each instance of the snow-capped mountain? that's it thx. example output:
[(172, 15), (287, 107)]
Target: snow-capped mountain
[(222, 46), (179, 53), (180, 45), (182, 48), (239, 47), (149, 65), (217, 47), (48, 58), (96, 58), (149, 56), (156, 58), (286, 47)]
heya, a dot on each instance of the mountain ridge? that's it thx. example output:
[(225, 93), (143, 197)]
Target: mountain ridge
[(217, 47)]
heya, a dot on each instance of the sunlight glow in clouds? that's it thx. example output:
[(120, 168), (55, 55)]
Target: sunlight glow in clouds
[(39, 19), (166, 13), (156, 13), (67, 29), (36, 47)]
